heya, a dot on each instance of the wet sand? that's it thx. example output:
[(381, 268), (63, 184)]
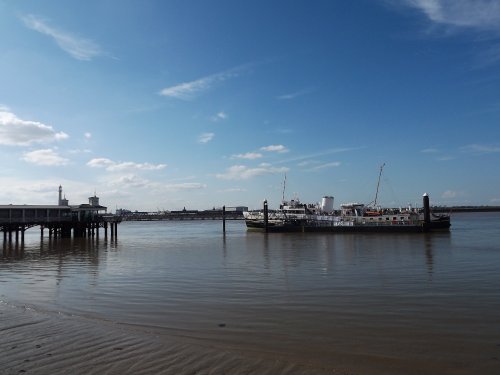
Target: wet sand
[(35, 342)]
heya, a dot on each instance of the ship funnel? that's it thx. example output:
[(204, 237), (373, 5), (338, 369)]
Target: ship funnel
[(327, 204)]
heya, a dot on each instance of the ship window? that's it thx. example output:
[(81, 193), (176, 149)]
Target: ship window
[(386, 218), (371, 218), (402, 218), (394, 218), (379, 218)]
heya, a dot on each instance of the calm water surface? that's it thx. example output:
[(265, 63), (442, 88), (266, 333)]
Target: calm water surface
[(374, 293)]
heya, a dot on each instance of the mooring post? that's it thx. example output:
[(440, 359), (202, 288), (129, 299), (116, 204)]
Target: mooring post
[(116, 230), (224, 219), (112, 229), (266, 216), (427, 209)]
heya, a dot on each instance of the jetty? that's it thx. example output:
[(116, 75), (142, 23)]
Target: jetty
[(60, 221)]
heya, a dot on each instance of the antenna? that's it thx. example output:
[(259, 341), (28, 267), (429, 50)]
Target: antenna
[(378, 184)]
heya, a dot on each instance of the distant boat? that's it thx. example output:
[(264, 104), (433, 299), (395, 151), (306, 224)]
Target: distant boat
[(294, 216)]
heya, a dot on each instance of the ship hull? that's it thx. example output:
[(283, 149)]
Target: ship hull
[(283, 227)]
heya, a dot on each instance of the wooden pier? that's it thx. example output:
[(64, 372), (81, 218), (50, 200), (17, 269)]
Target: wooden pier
[(56, 221)]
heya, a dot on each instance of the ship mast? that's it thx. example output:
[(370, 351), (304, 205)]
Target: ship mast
[(284, 185), (378, 184)]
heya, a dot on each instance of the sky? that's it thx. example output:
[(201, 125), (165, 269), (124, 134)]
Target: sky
[(165, 104)]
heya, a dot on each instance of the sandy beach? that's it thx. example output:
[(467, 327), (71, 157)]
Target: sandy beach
[(35, 342)]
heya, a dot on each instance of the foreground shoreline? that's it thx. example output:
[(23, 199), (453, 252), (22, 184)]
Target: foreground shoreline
[(38, 342)]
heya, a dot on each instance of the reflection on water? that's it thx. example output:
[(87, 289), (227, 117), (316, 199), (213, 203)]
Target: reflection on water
[(274, 289)]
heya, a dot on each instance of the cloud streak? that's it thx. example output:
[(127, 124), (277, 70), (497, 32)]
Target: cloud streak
[(480, 149), (189, 90), (242, 172), (219, 117), (275, 148), (77, 47), (295, 94), (326, 165), (113, 166), (248, 156), (481, 15), (205, 137), (318, 154)]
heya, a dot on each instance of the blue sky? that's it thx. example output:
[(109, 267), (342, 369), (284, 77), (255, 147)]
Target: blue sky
[(171, 104)]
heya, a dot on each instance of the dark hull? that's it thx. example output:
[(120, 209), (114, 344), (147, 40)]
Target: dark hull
[(438, 225)]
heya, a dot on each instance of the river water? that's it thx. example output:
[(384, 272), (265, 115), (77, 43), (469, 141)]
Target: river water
[(416, 297)]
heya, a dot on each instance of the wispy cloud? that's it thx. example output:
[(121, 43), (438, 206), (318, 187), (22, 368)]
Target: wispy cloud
[(232, 190), (135, 181), (295, 94), (445, 158), (189, 90), (79, 48), (113, 166), (326, 165), (17, 132), (429, 151), (130, 180), (242, 172), (481, 15), (321, 153), (247, 155), (184, 186), (205, 137), (45, 157), (219, 116), (480, 149), (275, 148)]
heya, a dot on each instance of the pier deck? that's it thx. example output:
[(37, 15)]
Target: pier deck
[(60, 221)]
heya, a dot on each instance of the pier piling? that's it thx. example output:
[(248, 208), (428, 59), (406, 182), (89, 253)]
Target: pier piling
[(266, 216), (224, 219), (427, 209)]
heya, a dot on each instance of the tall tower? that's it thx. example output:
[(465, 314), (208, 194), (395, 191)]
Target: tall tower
[(94, 201), (62, 201)]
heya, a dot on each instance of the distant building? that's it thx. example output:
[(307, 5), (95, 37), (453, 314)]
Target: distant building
[(237, 209), (62, 201), (82, 211)]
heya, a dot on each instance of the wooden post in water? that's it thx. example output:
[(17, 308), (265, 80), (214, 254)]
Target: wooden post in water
[(224, 219), (266, 216), (427, 209)]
